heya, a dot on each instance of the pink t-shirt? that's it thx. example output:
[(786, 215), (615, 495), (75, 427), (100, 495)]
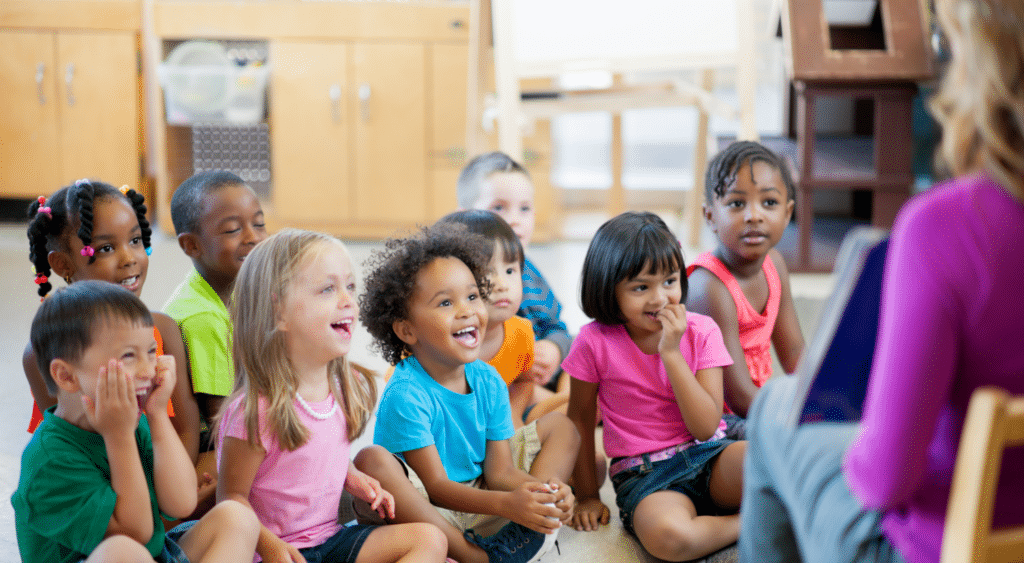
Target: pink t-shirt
[(296, 494), (637, 402)]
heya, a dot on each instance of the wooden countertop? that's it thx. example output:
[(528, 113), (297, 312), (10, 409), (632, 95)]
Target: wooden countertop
[(291, 19)]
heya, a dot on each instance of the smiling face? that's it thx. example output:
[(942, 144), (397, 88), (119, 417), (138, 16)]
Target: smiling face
[(446, 318), (510, 195), (232, 224), (506, 294), (751, 216), (641, 298), (126, 341), (120, 256), (319, 308)]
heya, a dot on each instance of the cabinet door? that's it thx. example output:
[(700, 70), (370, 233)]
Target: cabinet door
[(28, 115), (447, 124), (310, 121), (389, 110), (99, 107)]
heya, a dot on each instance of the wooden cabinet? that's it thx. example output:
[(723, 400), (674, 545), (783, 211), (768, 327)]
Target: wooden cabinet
[(71, 100), (366, 108)]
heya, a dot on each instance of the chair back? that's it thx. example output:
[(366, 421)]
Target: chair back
[(994, 422)]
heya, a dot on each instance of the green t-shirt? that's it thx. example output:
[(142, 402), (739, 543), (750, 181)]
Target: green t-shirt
[(206, 329), (64, 500)]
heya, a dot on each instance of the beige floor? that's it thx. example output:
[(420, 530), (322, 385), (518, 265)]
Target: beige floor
[(560, 262)]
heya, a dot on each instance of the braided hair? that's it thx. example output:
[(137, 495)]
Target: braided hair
[(722, 169), (51, 220)]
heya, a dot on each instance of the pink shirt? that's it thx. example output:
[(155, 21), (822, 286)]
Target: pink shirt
[(950, 322), (755, 327), (296, 494), (637, 402)]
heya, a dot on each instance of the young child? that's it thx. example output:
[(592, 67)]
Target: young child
[(284, 433), (494, 182), (743, 284), (446, 413), (218, 220), (92, 230), (97, 474), (657, 371), (508, 339)]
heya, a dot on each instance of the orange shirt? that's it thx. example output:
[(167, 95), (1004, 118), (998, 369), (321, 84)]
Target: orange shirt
[(37, 415), (515, 357)]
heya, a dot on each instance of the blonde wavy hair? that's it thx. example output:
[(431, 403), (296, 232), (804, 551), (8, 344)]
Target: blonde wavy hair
[(981, 102), (262, 367)]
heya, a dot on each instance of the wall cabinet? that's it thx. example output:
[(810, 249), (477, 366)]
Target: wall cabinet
[(71, 95)]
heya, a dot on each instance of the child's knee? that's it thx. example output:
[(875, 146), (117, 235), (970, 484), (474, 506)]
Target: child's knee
[(233, 517), (377, 461), (430, 538), (667, 538), (556, 424), (120, 549)]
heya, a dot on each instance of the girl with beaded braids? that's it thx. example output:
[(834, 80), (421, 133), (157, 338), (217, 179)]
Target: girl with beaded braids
[(92, 230)]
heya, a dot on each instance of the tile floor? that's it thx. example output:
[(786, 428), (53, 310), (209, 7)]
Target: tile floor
[(560, 262)]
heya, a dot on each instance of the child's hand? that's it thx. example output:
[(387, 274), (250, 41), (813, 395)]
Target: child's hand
[(207, 486), (673, 326), (528, 505), (275, 550), (115, 408), (368, 489), (590, 514), (163, 385), (546, 357), (564, 499)]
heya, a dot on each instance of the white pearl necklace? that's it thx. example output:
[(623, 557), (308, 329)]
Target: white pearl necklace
[(318, 415)]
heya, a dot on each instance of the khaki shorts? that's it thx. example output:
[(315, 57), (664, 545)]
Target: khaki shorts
[(525, 445)]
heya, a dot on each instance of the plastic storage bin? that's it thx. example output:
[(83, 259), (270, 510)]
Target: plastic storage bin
[(202, 84)]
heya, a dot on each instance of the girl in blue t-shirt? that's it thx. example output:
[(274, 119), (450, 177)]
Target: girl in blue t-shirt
[(657, 372)]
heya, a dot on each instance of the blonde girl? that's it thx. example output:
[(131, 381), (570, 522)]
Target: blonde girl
[(284, 433)]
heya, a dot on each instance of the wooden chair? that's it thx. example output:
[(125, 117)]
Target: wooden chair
[(538, 39), (995, 421)]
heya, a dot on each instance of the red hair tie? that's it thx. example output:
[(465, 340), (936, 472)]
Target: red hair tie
[(41, 279), (88, 251), (42, 207)]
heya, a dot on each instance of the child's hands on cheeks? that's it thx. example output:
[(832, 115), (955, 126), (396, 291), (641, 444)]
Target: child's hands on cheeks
[(673, 326), (368, 489), (163, 386), (590, 514), (114, 410)]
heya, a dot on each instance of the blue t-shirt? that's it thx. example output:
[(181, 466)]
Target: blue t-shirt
[(416, 411)]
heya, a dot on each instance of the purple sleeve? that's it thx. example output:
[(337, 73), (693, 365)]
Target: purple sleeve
[(915, 358)]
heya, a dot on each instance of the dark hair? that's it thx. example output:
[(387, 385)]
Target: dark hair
[(492, 227), (392, 278), (70, 206), (722, 169), (467, 191), (622, 247), (187, 201), (65, 323)]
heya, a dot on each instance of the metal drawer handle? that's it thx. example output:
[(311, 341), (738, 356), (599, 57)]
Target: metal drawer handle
[(40, 74), (69, 77)]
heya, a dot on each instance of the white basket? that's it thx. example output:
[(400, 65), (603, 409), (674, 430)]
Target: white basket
[(201, 84)]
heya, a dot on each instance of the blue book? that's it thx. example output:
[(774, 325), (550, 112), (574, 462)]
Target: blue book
[(833, 373)]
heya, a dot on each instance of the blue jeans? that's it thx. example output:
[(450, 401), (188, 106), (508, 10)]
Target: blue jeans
[(796, 503), (342, 547)]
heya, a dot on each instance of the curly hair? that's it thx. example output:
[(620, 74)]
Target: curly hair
[(980, 104), (724, 166), (68, 208), (393, 272)]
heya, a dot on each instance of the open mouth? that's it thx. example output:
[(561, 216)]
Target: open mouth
[(754, 237), (142, 395), (343, 327), (468, 336), (131, 283)]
